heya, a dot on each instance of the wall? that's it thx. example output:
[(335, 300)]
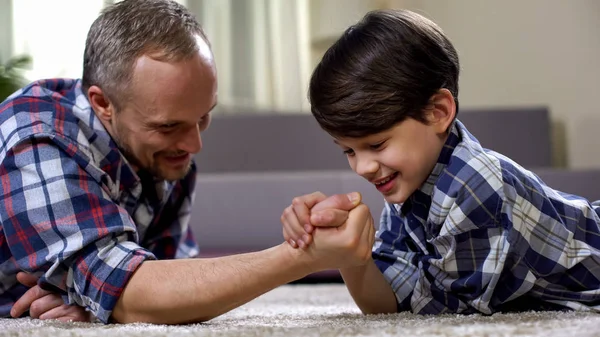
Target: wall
[(528, 53), (5, 30)]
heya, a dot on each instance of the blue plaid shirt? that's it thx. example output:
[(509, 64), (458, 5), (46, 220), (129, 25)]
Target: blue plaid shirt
[(483, 235), (72, 210)]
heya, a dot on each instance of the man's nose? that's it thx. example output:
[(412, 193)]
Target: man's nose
[(191, 141)]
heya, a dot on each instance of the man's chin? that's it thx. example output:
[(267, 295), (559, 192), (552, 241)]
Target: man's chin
[(172, 174)]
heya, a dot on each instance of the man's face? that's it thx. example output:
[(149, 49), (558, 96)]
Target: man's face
[(159, 127)]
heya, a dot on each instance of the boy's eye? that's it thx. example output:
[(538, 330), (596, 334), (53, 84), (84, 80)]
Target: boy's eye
[(349, 152), (376, 146)]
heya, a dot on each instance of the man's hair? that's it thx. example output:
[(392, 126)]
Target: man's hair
[(381, 71), (129, 29)]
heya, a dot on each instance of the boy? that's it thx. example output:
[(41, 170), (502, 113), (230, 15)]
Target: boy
[(464, 229)]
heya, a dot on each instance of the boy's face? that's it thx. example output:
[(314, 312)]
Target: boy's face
[(399, 160)]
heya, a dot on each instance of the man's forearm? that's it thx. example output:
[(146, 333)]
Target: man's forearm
[(195, 290), (369, 289)]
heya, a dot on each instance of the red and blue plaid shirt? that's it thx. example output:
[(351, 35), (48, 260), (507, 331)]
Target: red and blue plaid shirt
[(483, 235), (72, 209)]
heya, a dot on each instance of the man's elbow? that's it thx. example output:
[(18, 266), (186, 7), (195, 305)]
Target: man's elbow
[(121, 315)]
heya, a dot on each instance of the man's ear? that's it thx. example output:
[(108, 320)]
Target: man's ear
[(101, 104), (441, 110)]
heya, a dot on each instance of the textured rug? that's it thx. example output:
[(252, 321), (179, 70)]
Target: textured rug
[(326, 310)]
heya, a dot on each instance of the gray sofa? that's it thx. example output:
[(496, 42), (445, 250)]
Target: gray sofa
[(252, 167)]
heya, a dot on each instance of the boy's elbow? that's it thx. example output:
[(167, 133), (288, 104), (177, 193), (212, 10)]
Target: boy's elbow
[(376, 311)]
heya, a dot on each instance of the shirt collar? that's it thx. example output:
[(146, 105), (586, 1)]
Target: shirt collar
[(426, 190), (450, 144), (107, 153)]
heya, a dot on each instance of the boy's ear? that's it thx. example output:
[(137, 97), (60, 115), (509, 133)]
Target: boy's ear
[(441, 110)]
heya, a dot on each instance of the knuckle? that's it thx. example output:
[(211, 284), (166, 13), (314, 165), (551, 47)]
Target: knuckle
[(325, 216), (340, 199), (297, 201), (362, 208), (35, 310), (288, 211)]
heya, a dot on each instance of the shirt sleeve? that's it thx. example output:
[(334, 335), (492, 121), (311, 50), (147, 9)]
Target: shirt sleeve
[(61, 224), (394, 258), (171, 237)]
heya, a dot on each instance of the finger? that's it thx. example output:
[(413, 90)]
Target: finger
[(67, 313), (343, 202), (369, 228), (86, 317), (304, 241), (294, 228), (24, 303), (360, 225), (287, 236), (302, 205), (44, 304), (329, 218), (26, 279), (359, 216)]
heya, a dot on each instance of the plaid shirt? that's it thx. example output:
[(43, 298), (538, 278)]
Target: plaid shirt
[(484, 235), (72, 209)]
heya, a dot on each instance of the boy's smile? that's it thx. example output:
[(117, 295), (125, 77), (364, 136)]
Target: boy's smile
[(397, 161), (386, 184)]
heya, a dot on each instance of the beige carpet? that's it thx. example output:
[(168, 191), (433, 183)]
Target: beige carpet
[(325, 310)]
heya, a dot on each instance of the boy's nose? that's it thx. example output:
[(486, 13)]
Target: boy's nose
[(366, 167)]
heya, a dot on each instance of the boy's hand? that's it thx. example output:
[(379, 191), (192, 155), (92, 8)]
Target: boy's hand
[(44, 304), (347, 245), (315, 209)]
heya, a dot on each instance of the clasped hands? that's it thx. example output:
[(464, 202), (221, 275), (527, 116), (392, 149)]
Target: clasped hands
[(333, 232)]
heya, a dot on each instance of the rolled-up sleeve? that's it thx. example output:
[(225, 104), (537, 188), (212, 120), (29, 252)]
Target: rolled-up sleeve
[(61, 224)]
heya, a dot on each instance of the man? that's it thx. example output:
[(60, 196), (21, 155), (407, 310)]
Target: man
[(97, 182)]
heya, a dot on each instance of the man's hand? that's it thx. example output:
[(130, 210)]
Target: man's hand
[(44, 304), (315, 209)]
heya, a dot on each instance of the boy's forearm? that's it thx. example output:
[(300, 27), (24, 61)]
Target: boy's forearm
[(196, 290), (369, 289)]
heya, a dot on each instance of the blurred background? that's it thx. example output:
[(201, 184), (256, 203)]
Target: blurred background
[(528, 89), (512, 53)]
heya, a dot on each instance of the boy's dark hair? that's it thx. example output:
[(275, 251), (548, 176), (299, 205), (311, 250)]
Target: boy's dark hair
[(381, 71)]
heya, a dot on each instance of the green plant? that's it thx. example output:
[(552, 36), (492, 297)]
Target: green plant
[(11, 78)]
